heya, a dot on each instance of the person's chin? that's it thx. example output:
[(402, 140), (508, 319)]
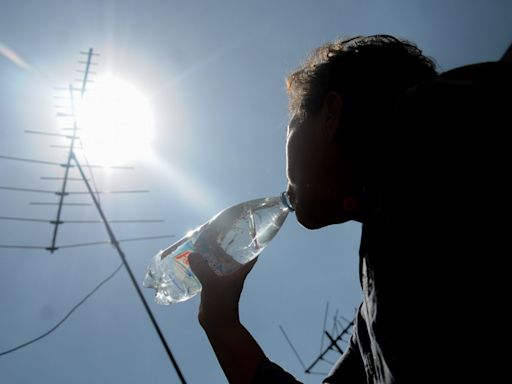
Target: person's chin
[(312, 221), (309, 221), (311, 226)]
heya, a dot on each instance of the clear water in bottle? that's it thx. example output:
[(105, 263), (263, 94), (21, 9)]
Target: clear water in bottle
[(230, 239)]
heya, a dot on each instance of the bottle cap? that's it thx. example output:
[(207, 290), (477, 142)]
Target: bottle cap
[(286, 201)]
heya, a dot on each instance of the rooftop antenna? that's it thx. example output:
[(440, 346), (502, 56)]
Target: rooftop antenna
[(338, 340), (73, 162)]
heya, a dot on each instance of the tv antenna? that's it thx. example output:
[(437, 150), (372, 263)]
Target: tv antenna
[(72, 163), (338, 339)]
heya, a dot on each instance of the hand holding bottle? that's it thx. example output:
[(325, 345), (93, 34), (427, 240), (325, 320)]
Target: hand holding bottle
[(237, 351), (220, 295)]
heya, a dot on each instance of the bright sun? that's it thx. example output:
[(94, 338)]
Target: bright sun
[(115, 122)]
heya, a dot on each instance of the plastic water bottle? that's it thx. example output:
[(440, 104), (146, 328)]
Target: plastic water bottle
[(230, 239)]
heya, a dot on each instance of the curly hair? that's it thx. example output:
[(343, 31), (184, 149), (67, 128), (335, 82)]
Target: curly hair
[(368, 71)]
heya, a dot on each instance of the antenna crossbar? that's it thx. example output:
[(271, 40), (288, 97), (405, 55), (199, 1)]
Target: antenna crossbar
[(54, 248), (330, 347), (59, 203), (29, 160), (51, 134), (127, 221), (59, 193)]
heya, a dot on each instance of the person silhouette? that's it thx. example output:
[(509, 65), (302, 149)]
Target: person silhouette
[(420, 158)]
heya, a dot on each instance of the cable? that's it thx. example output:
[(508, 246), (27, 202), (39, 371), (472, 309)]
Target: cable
[(65, 317)]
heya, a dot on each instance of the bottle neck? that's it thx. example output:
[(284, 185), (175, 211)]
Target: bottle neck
[(285, 199)]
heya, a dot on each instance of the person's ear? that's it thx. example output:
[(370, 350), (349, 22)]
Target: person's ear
[(332, 109)]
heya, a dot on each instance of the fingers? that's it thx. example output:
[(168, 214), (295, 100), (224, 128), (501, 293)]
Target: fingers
[(206, 275), (201, 269)]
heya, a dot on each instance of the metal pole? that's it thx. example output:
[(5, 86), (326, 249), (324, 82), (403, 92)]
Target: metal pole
[(115, 243)]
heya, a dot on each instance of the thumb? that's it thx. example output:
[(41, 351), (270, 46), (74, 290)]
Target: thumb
[(200, 267), (246, 268)]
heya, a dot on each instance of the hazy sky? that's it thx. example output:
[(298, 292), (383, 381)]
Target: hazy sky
[(213, 72)]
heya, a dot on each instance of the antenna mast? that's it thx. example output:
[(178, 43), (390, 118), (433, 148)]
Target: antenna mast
[(72, 162)]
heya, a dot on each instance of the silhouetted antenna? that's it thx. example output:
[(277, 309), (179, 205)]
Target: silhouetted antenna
[(86, 71), (72, 162), (338, 339), (81, 221), (325, 324), (292, 347), (60, 178), (81, 244), (64, 165)]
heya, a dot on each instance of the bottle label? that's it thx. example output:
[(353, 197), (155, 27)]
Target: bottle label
[(182, 258), (183, 252)]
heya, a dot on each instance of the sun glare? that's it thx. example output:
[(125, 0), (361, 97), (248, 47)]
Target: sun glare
[(115, 122)]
